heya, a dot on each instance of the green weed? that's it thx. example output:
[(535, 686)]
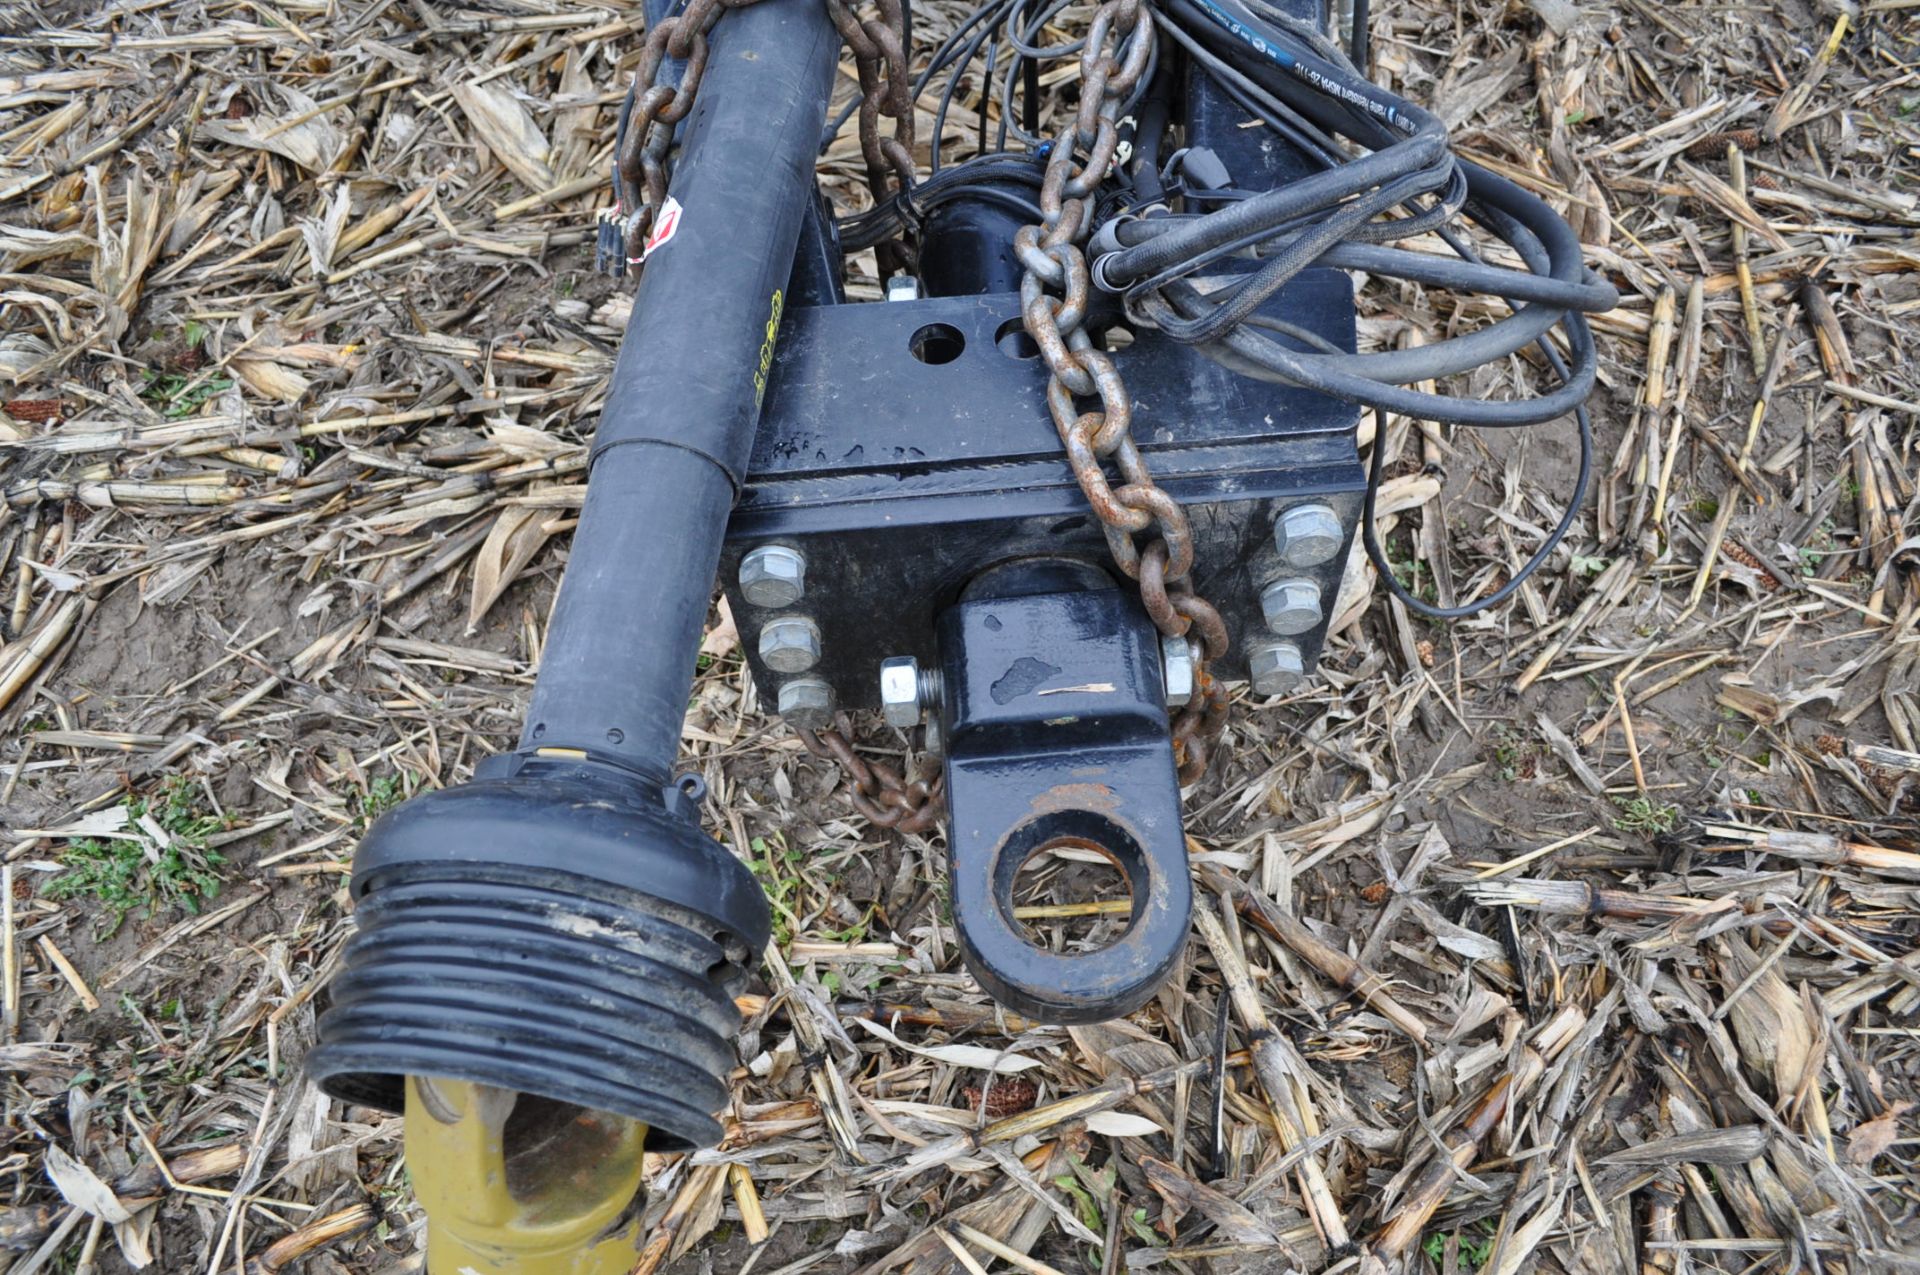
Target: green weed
[(775, 864), (1646, 816), (382, 795), (126, 874), (178, 396), (1476, 1244)]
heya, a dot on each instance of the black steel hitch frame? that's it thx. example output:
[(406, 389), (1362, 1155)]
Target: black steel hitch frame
[(872, 483), (1055, 718)]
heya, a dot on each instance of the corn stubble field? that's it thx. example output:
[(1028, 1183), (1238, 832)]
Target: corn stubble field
[(1575, 938)]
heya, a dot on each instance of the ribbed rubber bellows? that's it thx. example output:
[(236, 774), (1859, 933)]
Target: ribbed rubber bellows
[(568, 932)]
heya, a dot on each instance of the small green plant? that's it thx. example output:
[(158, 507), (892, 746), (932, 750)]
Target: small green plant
[(1414, 578), (125, 874), (1516, 755), (179, 396), (1476, 1244), (774, 863), (1589, 566), (1645, 815), (194, 333), (382, 795), (1088, 1187)]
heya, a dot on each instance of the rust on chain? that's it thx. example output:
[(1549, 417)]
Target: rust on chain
[(879, 792), (1053, 305), (659, 102)]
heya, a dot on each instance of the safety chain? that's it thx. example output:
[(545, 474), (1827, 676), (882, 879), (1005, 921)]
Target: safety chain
[(879, 791), (1118, 50), (658, 103), (880, 57)]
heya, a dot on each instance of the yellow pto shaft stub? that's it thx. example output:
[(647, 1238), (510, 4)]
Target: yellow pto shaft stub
[(515, 1184)]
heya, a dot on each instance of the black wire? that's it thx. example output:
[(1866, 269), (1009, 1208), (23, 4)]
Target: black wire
[(1386, 174), (1376, 472), (1306, 91), (1370, 537)]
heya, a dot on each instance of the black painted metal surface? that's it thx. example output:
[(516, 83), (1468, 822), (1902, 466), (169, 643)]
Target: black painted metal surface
[(1056, 731), (900, 479)]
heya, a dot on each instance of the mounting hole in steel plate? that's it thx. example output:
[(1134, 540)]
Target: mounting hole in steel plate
[(937, 343), (1014, 341), (1071, 897)]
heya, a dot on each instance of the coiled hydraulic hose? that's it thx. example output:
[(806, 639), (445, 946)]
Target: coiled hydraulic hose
[(1389, 175)]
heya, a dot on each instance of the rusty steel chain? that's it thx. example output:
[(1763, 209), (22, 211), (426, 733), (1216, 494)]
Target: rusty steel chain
[(1053, 304), (880, 57), (659, 102), (881, 793)]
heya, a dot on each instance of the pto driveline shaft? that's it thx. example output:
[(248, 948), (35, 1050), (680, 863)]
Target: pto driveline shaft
[(559, 934), (674, 438)]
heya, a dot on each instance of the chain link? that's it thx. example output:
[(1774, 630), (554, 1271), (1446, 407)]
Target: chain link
[(879, 792), (1053, 305), (880, 58), (658, 102)]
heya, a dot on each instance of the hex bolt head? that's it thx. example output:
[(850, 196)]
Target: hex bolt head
[(903, 287), (1308, 535), (1276, 667), (1176, 662), (806, 703), (1291, 606), (790, 644), (900, 698), (773, 576)]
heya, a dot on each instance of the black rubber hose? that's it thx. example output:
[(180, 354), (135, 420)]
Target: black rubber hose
[(1299, 254), (1271, 208), (1543, 241), (1148, 136)]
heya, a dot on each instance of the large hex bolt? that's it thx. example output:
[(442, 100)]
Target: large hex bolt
[(806, 703), (900, 698), (1276, 667), (1308, 535), (773, 576), (1291, 606), (790, 644), (1176, 662)]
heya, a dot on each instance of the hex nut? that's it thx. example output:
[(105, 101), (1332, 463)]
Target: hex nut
[(773, 576), (903, 287), (1176, 662), (790, 644), (900, 691), (1291, 606), (806, 703), (1308, 535), (1276, 667)]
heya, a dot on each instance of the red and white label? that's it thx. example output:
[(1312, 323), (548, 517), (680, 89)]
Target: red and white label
[(665, 223)]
